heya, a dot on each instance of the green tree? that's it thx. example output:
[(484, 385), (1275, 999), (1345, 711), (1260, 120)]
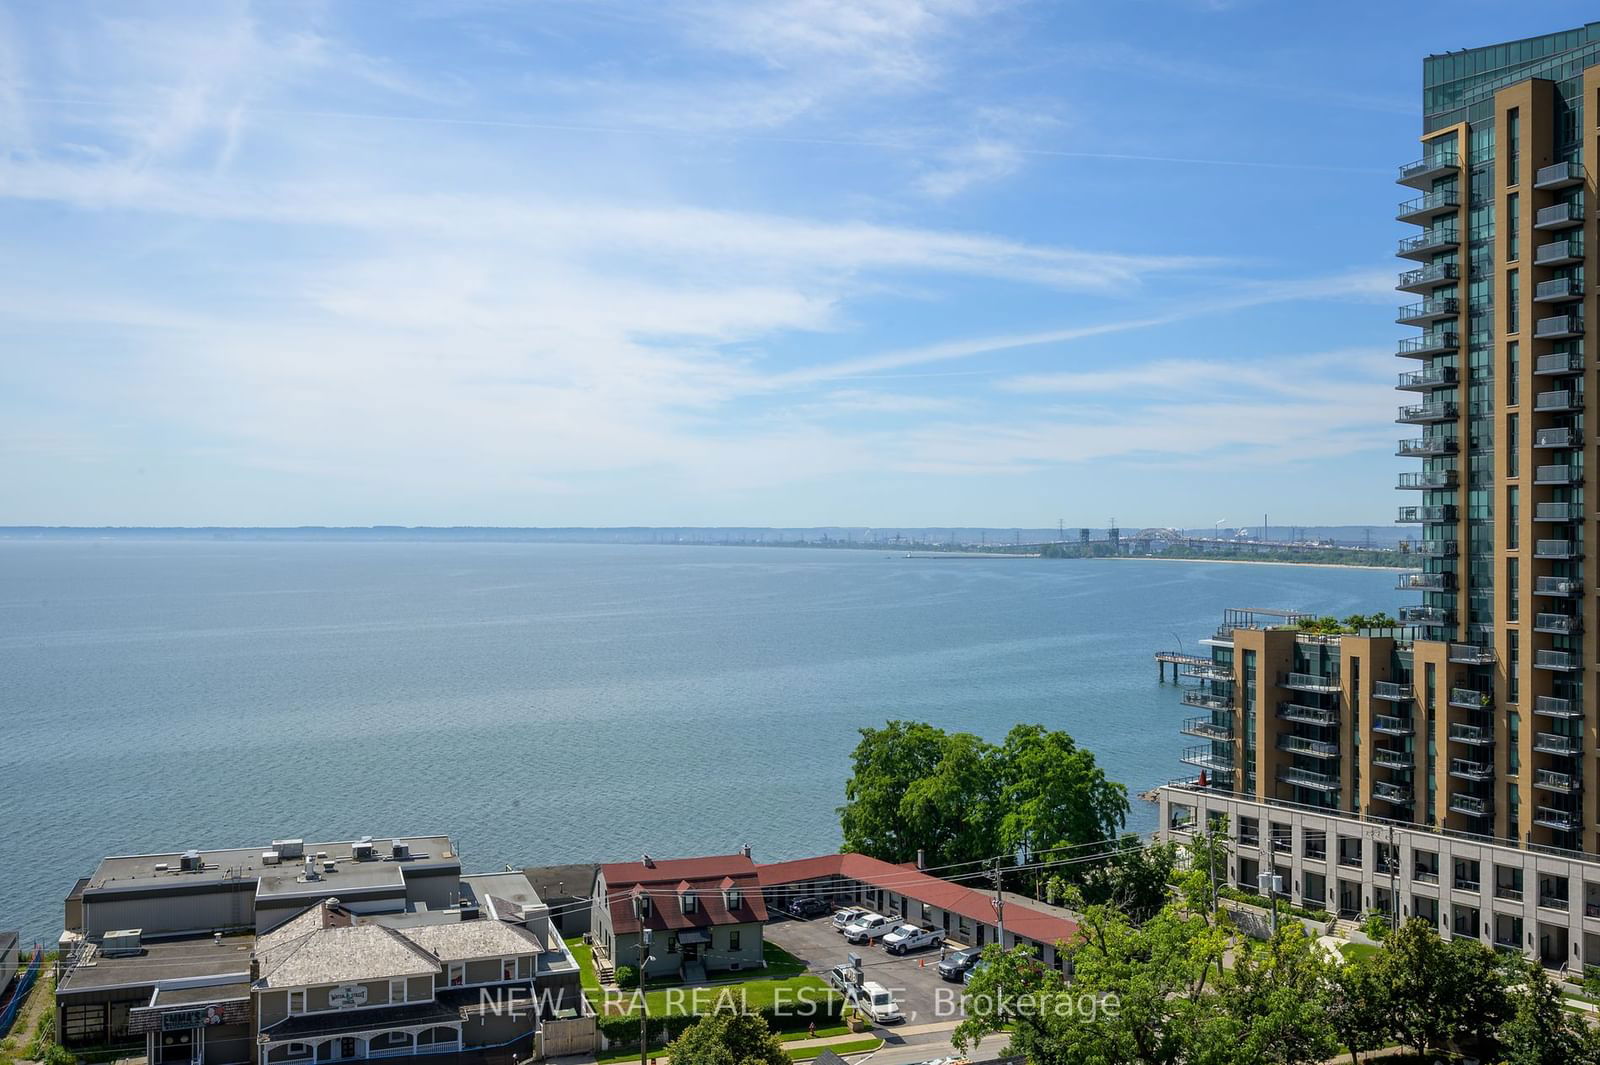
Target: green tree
[(1270, 1007), (885, 765), (1053, 794), (727, 1039), (1355, 1009), (1540, 1031), (1133, 879), (1434, 993)]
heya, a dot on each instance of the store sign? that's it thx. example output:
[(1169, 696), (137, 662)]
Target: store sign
[(347, 996), (195, 1018)]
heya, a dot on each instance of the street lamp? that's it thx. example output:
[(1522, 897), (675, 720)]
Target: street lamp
[(1269, 884)]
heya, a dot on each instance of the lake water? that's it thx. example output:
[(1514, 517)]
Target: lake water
[(546, 703)]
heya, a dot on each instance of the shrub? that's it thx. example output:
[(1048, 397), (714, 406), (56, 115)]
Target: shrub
[(627, 977), (1376, 925)]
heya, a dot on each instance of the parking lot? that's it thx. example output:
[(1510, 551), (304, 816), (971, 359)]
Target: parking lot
[(913, 979)]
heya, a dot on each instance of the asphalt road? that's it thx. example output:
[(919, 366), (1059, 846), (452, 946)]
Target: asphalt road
[(913, 979)]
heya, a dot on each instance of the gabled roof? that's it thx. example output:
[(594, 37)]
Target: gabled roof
[(324, 945), (468, 940), (664, 882), (1034, 924)]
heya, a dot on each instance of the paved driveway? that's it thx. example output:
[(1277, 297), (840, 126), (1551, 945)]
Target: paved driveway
[(913, 979)]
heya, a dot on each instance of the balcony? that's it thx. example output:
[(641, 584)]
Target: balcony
[(1557, 290), (1389, 690), (1207, 757), (1428, 311), (1428, 479), (1554, 743), (1557, 549), (1436, 512), (1437, 549), (1312, 748), (1424, 172), (1558, 176), (1559, 624), (1205, 701), (1561, 820), (1392, 726), (1427, 413), (1560, 661), (1471, 735), (1560, 436), (1560, 473), (1212, 672), (1558, 327), (1308, 715), (1553, 782), (1426, 278), (1507, 891), (1471, 655), (1558, 512), (1429, 242), (1426, 207), (1206, 729), (1559, 253), (1425, 582), (1309, 778), (1471, 699), (1557, 587), (1426, 447), (1308, 682), (1427, 380), (1564, 399), (1470, 805), (1558, 216), (1464, 769), (1392, 793), (1558, 363), (1392, 758), (1557, 707), (1426, 615), (1440, 342)]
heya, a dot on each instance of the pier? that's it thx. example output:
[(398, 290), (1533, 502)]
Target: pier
[(1176, 659)]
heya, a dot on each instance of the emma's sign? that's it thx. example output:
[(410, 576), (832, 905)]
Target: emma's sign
[(347, 996)]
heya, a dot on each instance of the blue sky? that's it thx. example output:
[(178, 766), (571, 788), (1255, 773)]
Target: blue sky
[(882, 262)]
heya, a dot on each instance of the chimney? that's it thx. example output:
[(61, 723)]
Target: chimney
[(649, 862), (745, 850), (922, 858)]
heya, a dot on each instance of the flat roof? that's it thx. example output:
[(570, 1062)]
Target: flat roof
[(288, 883), (201, 996), (493, 890), (243, 864), (171, 959)]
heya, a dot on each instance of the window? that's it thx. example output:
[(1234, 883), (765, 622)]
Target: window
[(508, 968), (1511, 584), (1513, 144), (1511, 228), (733, 939), (397, 990), (1512, 360), (83, 1023), (1513, 302), (456, 975), (297, 1002), (688, 902), (672, 944)]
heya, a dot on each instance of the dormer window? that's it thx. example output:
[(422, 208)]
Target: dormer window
[(730, 892), (687, 901)]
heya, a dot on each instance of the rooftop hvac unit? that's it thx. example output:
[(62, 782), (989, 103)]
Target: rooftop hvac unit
[(329, 865), (162, 867), (190, 862), (400, 850), (121, 944), (270, 857), (289, 848), (362, 851)]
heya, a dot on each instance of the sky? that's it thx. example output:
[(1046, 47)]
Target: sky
[(754, 262)]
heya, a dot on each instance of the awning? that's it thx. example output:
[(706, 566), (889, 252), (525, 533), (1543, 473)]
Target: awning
[(694, 936)]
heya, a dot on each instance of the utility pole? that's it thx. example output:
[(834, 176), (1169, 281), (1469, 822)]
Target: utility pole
[(1211, 854), (1394, 886), (1267, 880), (644, 1009), (999, 906)]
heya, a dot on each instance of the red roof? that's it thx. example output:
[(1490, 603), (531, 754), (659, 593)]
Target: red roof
[(666, 882), (1037, 925)]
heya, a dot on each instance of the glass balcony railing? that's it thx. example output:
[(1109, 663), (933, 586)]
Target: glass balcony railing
[(1424, 278), (1558, 176), (1563, 820), (1559, 216), (1206, 728), (1558, 512), (1427, 413), (1392, 758), (1440, 342), (1437, 512), (1429, 242), (1556, 706), (1207, 757), (1205, 700), (1424, 207), (1559, 473), (1558, 587), (1466, 769), (1563, 399), (1560, 661), (1471, 654), (1302, 745), (1393, 726), (1424, 172), (1437, 548), (1559, 253), (1557, 289), (1428, 310), (1560, 436), (1559, 624), (1391, 792), (1308, 682), (1554, 743), (1426, 447), (1391, 691), (1558, 362), (1425, 582), (1426, 380), (1308, 715), (1428, 479), (1472, 735), (1552, 781), (1425, 615), (1558, 327), (1471, 805), (1309, 778), (1471, 699), (1557, 549)]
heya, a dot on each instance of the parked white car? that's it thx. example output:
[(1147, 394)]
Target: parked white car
[(847, 917), (874, 1000), (867, 927), (908, 937)]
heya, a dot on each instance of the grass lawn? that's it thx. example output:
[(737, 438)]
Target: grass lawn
[(853, 1046), (822, 1033), (785, 979), (1358, 951)]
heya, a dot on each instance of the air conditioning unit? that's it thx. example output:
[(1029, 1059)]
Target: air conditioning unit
[(400, 850), (270, 857), (289, 848), (361, 850), (190, 862), (121, 944)]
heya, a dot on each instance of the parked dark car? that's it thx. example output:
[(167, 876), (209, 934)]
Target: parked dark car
[(809, 906), (954, 966)]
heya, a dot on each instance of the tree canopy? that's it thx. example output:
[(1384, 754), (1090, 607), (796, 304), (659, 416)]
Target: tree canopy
[(960, 799), (728, 1039)]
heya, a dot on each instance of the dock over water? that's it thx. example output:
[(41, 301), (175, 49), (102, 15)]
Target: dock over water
[(1177, 660)]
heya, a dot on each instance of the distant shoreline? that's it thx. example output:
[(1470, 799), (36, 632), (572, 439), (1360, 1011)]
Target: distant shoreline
[(1261, 562)]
